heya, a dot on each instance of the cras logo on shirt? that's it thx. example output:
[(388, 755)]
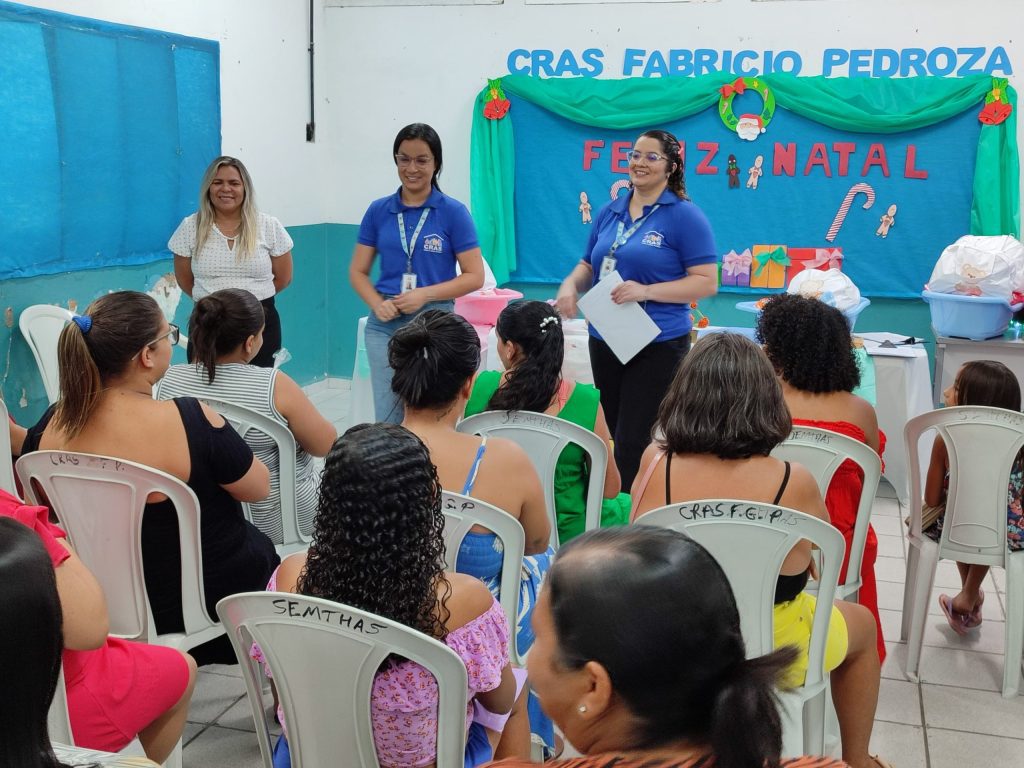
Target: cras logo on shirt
[(433, 244), (653, 239)]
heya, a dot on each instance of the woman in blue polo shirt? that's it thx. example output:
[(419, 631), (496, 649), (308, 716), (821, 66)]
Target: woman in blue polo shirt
[(662, 246), (419, 233)]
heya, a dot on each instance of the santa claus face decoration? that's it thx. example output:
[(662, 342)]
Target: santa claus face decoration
[(749, 127)]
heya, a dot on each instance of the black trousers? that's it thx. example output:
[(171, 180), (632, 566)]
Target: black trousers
[(631, 394), (271, 337)]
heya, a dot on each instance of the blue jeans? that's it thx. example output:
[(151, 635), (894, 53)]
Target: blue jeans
[(385, 403)]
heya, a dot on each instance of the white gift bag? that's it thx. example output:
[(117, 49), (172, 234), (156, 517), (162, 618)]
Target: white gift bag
[(980, 265)]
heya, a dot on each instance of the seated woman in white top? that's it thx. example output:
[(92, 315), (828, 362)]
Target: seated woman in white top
[(226, 330)]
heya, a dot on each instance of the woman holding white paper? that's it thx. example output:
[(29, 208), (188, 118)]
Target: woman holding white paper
[(662, 247)]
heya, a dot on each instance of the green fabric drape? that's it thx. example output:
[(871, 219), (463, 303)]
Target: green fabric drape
[(864, 105)]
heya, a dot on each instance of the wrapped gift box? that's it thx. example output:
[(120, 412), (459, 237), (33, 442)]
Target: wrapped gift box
[(736, 268), (812, 258), (769, 266)]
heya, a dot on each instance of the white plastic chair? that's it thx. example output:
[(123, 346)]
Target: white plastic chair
[(245, 420), (982, 444), (324, 657), (822, 452), (41, 325), (460, 514), (6, 464), (543, 438), (750, 541), (100, 503)]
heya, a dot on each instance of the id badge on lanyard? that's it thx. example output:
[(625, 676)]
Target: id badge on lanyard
[(609, 262), (409, 277)]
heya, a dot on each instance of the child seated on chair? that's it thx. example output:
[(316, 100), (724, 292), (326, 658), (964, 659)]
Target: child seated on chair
[(380, 523), (978, 382), (531, 346)]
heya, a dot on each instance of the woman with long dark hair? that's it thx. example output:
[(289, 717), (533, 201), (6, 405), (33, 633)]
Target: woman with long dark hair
[(380, 523), (229, 243), (662, 247), (531, 346), (717, 426), (420, 235), (109, 360), (640, 661), (226, 330)]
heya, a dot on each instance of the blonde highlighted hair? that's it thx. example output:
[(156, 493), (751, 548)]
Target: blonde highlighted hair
[(247, 236)]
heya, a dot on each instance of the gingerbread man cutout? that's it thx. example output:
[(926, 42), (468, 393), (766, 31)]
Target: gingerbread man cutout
[(887, 220), (585, 207), (755, 172)]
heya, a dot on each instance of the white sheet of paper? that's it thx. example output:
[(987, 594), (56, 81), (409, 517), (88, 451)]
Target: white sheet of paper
[(873, 339), (625, 328)]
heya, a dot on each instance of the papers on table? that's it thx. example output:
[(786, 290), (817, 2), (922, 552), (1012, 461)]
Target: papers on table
[(625, 328), (873, 345)]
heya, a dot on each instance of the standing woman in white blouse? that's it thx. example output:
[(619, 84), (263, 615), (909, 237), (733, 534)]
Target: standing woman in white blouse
[(228, 243)]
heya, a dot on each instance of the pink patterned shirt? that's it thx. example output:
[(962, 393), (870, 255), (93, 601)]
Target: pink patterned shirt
[(403, 702)]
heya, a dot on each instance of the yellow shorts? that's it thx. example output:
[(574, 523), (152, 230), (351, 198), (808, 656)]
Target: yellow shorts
[(792, 624)]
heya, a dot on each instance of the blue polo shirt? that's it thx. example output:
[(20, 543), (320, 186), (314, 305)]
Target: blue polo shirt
[(447, 231), (673, 238)]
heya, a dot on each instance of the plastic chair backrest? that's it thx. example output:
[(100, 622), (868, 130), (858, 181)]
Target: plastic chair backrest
[(750, 541), (324, 657), (6, 464), (543, 438), (245, 420), (982, 444), (99, 502), (41, 325), (822, 452), (58, 721), (460, 514)]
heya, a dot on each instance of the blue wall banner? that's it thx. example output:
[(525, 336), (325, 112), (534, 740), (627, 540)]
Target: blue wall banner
[(877, 174), (104, 135)]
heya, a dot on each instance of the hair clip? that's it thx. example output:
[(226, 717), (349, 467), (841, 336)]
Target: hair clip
[(84, 322), (425, 353), (545, 321)]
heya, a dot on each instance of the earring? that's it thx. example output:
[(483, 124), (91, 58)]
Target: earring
[(581, 708)]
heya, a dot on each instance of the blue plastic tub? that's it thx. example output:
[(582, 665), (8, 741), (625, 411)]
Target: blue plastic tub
[(969, 317), (851, 314)]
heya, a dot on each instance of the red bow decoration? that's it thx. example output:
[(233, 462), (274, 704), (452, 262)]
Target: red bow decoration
[(736, 86), (496, 109)]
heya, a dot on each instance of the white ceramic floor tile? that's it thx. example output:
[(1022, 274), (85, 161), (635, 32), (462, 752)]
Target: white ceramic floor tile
[(890, 546), (902, 745), (958, 749), (191, 731), (967, 669), (891, 621), (886, 507), (222, 748), (887, 525), (891, 569), (895, 661), (890, 595), (899, 701), (961, 709), (988, 638)]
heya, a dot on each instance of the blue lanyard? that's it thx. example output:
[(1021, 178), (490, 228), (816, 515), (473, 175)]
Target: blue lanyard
[(415, 236), (621, 237)]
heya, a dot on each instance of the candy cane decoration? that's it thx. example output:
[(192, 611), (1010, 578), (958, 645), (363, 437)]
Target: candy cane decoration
[(620, 184), (837, 222)]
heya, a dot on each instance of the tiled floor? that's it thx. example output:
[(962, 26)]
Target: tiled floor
[(954, 718)]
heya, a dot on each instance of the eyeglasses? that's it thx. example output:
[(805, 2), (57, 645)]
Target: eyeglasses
[(651, 157), (422, 162), (173, 335)]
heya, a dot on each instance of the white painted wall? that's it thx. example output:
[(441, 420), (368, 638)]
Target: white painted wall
[(390, 66), (264, 88)]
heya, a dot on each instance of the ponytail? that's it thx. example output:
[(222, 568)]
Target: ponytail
[(745, 727), (433, 356), (220, 323), (97, 346), (531, 385)]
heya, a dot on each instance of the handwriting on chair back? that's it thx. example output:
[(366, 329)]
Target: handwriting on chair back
[(297, 610), (529, 418), (810, 436), (739, 510), (94, 462)]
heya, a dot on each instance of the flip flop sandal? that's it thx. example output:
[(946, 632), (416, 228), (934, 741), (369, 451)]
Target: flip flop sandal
[(956, 620), (973, 619), (882, 763)]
